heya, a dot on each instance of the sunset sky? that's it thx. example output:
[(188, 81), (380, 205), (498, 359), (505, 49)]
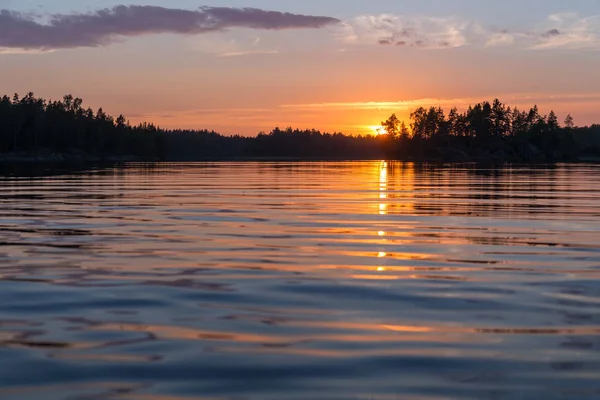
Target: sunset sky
[(336, 65)]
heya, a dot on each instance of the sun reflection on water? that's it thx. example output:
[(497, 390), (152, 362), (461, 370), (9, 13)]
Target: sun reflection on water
[(383, 208), (383, 186)]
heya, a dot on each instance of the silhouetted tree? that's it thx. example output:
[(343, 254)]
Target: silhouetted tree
[(392, 126), (419, 123), (32, 124), (404, 132), (552, 121), (569, 124), (496, 130)]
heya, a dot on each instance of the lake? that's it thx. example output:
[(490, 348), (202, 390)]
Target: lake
[(325, 280)]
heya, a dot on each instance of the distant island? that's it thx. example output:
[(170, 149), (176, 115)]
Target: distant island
[(37, 130)]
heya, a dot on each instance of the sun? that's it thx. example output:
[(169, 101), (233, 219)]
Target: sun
[(378, 130)]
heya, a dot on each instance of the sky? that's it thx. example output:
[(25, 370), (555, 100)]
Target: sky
[(241, 67)]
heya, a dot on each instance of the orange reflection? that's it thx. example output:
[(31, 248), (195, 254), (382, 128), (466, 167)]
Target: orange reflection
[(383, 208), (375, 277), (383, 185)]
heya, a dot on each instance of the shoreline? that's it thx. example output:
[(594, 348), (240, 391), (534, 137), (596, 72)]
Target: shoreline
[(86, 159)]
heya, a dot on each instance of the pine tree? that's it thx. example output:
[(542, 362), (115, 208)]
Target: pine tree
[(569, 124)]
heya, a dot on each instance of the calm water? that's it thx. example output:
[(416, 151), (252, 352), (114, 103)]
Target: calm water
[(301, 281)]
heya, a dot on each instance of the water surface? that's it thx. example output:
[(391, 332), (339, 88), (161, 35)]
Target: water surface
[(333, 280)]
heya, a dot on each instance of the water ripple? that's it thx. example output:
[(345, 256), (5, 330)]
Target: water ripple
[(370, 280)]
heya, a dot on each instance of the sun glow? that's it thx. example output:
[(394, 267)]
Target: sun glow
[(378, 130)]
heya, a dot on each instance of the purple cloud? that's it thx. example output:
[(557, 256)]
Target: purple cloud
[(551, 33), (103, 27)]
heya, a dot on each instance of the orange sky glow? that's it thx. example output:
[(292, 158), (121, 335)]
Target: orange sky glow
[(337, 78)]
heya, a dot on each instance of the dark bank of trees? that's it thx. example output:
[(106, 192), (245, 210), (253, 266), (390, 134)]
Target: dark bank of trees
[(285, 144), (491, 132), (34, 127)]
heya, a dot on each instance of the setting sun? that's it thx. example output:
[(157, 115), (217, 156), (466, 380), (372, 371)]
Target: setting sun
[(378, 130)]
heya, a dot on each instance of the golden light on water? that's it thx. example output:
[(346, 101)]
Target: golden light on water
[(383, 195), (383, 182)]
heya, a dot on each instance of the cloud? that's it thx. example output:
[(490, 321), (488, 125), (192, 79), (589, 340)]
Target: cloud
[(247, 53), (234, 44), (520, 99), (102, 27), (416, 31), (377, 105), (8, 50), (559, 31), (499, 38), (551, 33), (569, 31)]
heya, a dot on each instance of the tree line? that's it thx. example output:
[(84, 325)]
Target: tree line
[(488, 131), (33, 125), (493, 131), (30, 124)]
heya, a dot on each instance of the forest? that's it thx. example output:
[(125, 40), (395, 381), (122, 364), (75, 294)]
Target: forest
[(491, 131), (33, 128)]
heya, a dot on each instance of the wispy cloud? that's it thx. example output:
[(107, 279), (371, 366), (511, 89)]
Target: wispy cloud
[(558, 31), (232, 45), (9, 50), (527, 99), (377, 105), (102, 27), (496, 39), (247, 53), (568, 31), (33, 32), (398, 30)]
